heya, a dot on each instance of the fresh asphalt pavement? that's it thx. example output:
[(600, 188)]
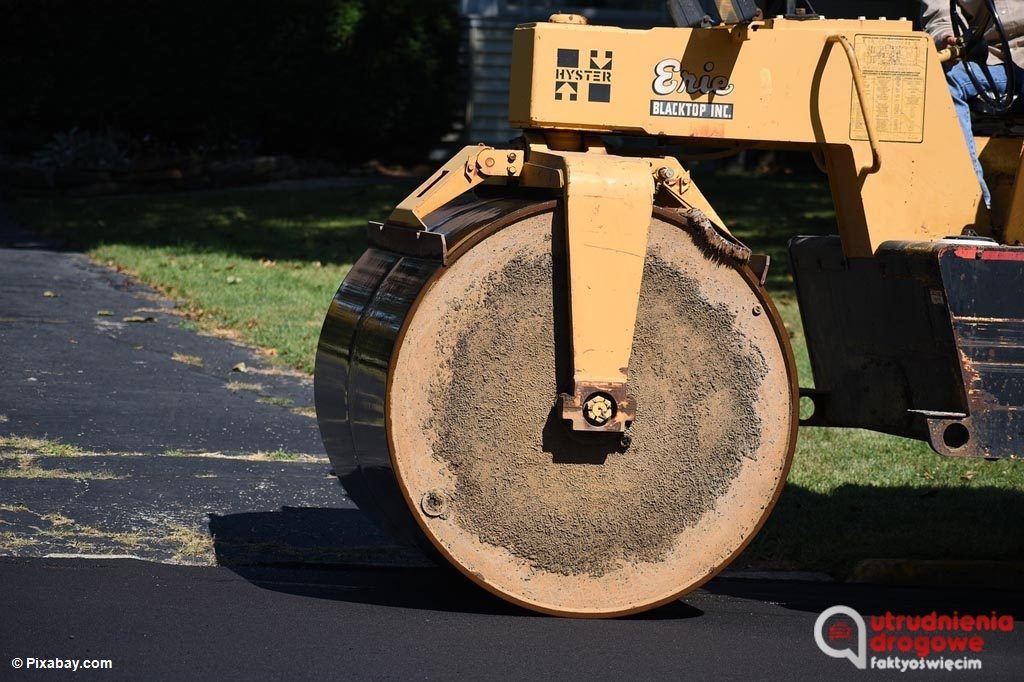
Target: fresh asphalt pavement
[(156, 621), (257, 566)]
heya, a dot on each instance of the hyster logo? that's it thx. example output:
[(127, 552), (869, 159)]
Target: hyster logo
[(570, 74)]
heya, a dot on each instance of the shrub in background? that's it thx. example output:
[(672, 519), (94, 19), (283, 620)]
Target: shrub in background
[(343, 78), (82, 150)]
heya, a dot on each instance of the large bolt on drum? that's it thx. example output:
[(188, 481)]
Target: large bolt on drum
[(437, 384)]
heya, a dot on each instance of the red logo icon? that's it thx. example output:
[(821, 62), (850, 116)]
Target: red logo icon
[(840, 630)]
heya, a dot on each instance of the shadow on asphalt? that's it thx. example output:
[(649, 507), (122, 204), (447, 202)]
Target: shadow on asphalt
[(422, 589), (306, 536), (832, 532), (326, 554), (338, 554), (872, 599)]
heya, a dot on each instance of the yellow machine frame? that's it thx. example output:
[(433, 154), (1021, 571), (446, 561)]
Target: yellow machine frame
[(867, 97)]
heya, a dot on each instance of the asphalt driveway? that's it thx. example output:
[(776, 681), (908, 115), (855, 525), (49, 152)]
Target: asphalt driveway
[(125, 432)]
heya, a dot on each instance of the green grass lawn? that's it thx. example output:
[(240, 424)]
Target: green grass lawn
[(264, 265)]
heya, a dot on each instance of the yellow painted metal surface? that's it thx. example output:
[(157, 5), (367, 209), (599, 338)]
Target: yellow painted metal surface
[(609, 201), (781, 84), (1014, 225), (867, 97), (1001, 157), (464, 171)]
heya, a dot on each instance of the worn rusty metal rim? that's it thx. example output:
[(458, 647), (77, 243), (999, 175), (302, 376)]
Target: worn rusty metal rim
[(470, 237)]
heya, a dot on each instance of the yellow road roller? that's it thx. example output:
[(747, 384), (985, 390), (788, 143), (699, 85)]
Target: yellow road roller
[(556, 368)]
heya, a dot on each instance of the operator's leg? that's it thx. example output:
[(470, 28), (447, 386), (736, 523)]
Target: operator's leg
[(963, 91)]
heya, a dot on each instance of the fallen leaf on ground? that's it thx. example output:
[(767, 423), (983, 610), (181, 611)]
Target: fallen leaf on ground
[(240, 367), (968, 476), (221, 333), (105, 313), (193, 360), (138, 318), (275, 400), (234, 280), (50, 294), (240, 386)]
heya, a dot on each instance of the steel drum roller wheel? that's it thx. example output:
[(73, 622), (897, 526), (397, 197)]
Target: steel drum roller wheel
[(578, 524), (586, 524)]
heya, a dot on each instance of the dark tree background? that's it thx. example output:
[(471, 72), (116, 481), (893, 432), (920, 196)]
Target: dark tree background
[(340, 78)]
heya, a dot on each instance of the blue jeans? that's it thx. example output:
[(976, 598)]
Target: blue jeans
[(964, 92)]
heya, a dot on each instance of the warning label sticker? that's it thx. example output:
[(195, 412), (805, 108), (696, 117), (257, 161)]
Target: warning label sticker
[(895, 77)]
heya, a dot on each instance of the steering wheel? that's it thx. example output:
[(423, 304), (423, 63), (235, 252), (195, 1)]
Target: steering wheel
[(972, 36)]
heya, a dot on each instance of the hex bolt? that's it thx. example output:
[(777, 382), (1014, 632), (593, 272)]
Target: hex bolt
[(511, 170), (434, 504), (598, 410), (757, 310), (665, 174), (511, 157)]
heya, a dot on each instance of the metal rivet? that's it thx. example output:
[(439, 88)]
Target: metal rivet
[(434, 504), (757, 310)]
